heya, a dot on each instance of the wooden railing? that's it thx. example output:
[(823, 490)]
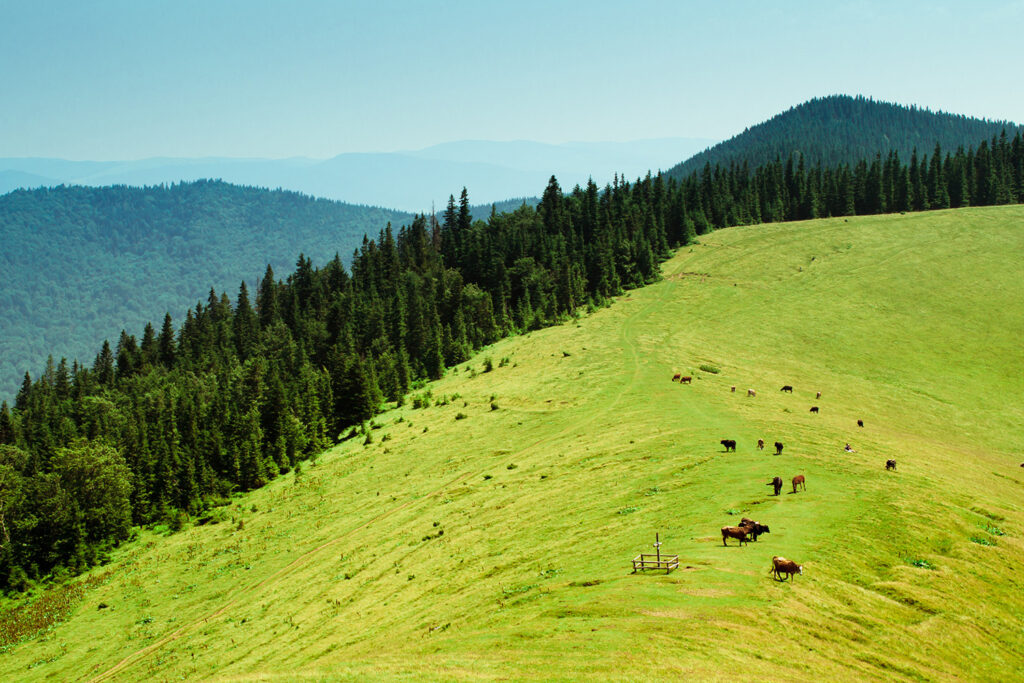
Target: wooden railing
[(643, 562)]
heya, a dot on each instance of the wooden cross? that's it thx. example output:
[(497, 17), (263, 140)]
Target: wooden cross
[(657, 547)]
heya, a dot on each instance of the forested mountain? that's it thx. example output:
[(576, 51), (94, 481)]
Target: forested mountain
[(840, 129), (81, 263)]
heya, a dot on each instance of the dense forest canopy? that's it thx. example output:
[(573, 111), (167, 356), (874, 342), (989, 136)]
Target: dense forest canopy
[(79, 262), (168, 422), (843, 130)]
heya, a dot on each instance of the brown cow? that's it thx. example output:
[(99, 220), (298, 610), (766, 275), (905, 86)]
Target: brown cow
[(734, 390), (778, 448), (860, 423), (819, 395), (798, 480), (814, 409), (777, 483), (760, 444), (751, 392), (676, 377), (891, 465), (737, 532), (686, 379), (781, 565)]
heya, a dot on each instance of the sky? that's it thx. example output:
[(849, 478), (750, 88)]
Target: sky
[(132, 79)]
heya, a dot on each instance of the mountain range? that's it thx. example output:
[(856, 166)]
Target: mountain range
[(412, 181)]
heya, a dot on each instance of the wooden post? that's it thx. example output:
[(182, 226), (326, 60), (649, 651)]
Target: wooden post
[(657, 547)]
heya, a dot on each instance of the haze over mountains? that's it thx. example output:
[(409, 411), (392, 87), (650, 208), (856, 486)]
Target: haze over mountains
[(408, 180)]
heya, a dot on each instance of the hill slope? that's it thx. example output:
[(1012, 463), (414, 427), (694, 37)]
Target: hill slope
[(843, 129), (80, 264), (910, 323)]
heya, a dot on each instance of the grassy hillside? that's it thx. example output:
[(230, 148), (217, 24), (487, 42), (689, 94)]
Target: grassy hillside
[(911, 323)]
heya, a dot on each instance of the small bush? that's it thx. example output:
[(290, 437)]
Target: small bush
[(487, 476), (994, 530), (981, 540), (512, 466), (628, 511), (488, 364), (922, 564), (710, 368), (565, 354), (461, 416), (494, 406), (503, 362)]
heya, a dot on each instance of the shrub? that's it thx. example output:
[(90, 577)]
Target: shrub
[(980, 540), (503, 362), (627, 511), (922, 564), (494, 406), (461, 416), (709, 368), (488, 364)]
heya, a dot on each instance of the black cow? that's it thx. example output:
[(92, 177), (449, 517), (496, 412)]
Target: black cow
[(778, 448), (730, 444), (890, 464), (814, 409), (776, 483), (788, 389)]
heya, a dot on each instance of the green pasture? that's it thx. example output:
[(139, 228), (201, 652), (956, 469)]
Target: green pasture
[(498, 545)]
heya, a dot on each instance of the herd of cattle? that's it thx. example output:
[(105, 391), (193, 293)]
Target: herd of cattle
[(748, 529)]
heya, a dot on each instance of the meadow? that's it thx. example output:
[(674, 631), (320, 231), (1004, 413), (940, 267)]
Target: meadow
[(489, 535)]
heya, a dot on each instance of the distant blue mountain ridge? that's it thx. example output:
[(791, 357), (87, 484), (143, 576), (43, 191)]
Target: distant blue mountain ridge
[(414, 181)]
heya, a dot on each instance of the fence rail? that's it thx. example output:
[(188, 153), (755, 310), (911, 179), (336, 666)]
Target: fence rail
[(643, 562)]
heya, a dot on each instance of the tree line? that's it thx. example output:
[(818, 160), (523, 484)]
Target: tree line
[(174, 421)]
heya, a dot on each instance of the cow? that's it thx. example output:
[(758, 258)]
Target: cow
[(676, 377), (755, 528), (751, 392), (788, 389), (760, 444), (781, 565), (798, 480), (737, 532), (685, 379), (730, 445), (814, 409), (860, 423), (777, 483), (734, 390), (819, 395), (891, 464), (778, 448)]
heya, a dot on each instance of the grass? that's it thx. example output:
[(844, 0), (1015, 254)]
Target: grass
[(911, 323)]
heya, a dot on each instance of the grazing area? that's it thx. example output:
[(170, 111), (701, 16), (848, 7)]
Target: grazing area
[(498, 544)]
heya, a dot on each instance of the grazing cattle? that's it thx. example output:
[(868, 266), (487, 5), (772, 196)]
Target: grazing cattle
[(737, 532), (776, 482), (734, 390), (787, 389), (819, 395), (751, 392), (891, 464), (686, 379), (781, 565), (860, 423), (814, 409), (730, 444), (778, 448), (798, 480), (676, 377), (760, 444), (755, 529)]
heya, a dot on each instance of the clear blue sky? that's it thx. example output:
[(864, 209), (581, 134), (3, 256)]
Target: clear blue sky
[(128, 79)]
